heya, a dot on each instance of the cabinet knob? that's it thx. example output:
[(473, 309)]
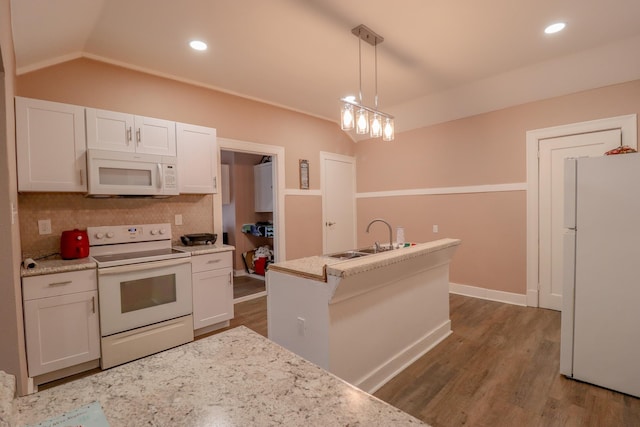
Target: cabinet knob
[(329, 223)]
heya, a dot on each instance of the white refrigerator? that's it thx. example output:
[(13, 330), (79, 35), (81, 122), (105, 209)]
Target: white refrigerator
[(600, 333)]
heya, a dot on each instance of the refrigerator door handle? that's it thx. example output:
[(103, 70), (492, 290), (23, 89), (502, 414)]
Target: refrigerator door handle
[(568, 302)]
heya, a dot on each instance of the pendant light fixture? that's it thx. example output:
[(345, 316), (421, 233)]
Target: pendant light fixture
[(354, 114)]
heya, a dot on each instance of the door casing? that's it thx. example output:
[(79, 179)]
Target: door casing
[(628, 126)]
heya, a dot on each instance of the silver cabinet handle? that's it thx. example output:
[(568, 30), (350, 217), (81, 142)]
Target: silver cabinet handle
[(93, 304), (159, 176), (129, 135), (81, 177), (68, 282), (329, 223), (138, 137), (213, 261), (215, 183)]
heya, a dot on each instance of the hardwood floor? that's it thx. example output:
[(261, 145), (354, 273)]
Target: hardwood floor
[(247, 285), (498, 368)]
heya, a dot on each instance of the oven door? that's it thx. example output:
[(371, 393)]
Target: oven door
[(131, 296)]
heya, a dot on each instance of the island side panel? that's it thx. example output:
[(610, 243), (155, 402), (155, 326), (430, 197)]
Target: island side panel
[(376, 334), (298, 315)]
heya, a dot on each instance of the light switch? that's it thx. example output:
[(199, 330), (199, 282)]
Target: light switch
[(178, 219), (435, 228)]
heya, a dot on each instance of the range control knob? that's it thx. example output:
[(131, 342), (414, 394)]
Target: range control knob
[(99, 235), (110, 234), (154, 232), (163, 231)]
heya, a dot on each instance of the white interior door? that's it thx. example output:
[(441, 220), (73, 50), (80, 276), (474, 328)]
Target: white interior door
[(552, 153), (338, 202)]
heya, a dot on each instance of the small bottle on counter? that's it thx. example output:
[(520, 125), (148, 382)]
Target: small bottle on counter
[(400, 237)]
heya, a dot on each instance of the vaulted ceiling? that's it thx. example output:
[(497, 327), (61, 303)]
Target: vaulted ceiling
[(440, 59)]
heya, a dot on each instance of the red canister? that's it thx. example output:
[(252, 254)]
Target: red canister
[(74, 244)]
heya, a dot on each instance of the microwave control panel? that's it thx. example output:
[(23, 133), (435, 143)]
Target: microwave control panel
[(170, 178)]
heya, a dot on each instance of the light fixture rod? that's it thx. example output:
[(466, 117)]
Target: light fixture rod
[(360, 66), (364, 107), (375, 49)]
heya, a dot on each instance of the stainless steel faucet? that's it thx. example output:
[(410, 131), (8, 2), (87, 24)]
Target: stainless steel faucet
[(390, 232)]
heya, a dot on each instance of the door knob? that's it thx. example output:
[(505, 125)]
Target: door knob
[(329, 223)]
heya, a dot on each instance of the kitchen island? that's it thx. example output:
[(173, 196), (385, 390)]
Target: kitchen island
[(367, 318), (236, 378)]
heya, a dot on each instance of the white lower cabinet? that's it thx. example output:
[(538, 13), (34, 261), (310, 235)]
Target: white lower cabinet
[(212, 290), (61, 320)]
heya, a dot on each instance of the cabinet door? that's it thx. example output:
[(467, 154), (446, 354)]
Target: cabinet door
[(263, 182), (110, 130), (197, 159), (51, 146), (61, 331), (212, 297), (155, 136)]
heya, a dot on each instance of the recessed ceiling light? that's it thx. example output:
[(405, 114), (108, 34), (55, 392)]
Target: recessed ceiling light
[(554, 28), (198, 45)]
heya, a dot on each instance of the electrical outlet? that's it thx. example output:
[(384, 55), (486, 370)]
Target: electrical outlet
[(44, 226), (435, 228), (178, 219)]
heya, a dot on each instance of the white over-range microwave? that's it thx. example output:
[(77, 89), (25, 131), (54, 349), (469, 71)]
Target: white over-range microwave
[(115, 173)]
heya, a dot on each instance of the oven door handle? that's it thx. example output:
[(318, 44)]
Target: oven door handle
[(142, 266)]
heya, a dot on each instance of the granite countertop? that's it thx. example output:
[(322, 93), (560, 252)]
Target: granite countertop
[(204, 249), (236, 378), (58, 265), (318, 267)]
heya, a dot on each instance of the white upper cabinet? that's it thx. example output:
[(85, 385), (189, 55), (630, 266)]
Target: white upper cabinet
[(197, 159), (263, 182), (111, 130), (51, 146)]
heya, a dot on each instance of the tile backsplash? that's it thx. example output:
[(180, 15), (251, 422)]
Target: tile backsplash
[(68, 211)]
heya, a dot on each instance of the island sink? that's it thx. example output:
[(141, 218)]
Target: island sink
[(356, 253)]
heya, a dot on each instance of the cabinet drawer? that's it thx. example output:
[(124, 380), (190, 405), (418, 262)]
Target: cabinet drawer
[(50, 285), (210, 261)]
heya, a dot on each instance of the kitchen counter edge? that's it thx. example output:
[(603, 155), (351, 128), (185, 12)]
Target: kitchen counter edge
[(53, 266)]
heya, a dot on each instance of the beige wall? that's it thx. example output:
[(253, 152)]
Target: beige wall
[(95, 84), (480, 150), (484, 149)]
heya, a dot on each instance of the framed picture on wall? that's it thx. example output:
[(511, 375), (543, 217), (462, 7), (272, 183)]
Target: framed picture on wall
[(304, 174)]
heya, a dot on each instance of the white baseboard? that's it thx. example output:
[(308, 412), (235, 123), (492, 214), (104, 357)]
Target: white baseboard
[(240, 273), (249, 297), (396, 364), (488, 294), (532, 298)]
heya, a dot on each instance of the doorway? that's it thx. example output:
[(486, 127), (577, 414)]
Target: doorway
[(256, 232), (338, 189), (546, 150)]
